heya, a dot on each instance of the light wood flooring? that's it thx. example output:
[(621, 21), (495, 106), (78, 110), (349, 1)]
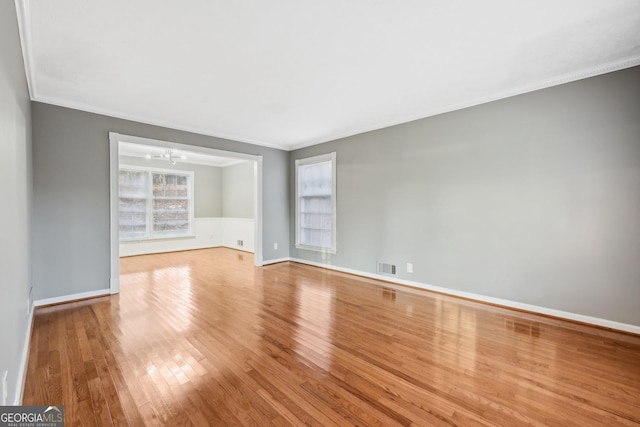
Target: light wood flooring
[(204, 338)]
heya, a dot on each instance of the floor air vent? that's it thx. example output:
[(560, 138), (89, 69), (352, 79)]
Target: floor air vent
[(384, 268)]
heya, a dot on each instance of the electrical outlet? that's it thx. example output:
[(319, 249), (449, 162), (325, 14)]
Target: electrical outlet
[(5, 387), (240, 243), (409, 267), (275, 246)]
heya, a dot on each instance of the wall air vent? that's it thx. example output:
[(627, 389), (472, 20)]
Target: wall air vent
[(384, 268)]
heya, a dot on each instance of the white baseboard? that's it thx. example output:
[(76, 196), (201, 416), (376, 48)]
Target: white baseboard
[(72, 297), (21, 379), (165, 251), (634, 329), (238, 248), (276, 261)]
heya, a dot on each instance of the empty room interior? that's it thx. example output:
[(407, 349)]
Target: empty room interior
[(321, 213)]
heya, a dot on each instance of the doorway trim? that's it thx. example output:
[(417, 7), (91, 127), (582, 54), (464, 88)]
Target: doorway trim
[(114, 163)]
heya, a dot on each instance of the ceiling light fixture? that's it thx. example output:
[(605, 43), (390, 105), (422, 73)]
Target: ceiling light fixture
[(167, 155)]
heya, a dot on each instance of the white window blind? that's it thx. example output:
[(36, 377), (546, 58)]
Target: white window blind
[(315, 203), (171, 216), (155, 204), (133, 204)]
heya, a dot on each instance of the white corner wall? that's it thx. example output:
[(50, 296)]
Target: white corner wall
[(234, 229), (209, 233)]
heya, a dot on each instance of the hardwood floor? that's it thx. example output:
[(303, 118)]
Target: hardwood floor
[(204, 338)]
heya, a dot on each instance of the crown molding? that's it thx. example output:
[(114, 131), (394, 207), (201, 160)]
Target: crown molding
[(24, 25), (153, 122), (544, 84), (556, 81)]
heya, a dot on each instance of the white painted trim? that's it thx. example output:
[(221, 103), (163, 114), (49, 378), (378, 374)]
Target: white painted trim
[(166, 251), (556, 81), (257, 206), (21, 379), (239, 249), (114, 164), (567, 78), (114, 160), (276, 261), (191, 249), (24, 26), (329, 157), (634, 329), (150, 121), (70, 298)]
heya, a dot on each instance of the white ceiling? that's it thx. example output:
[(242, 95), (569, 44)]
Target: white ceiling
[(182, 154), (290, 73)]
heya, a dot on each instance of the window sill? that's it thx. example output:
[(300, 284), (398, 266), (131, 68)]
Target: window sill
[(153, 239)]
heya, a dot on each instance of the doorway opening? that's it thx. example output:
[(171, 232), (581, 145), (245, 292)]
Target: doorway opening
[(167, 196)]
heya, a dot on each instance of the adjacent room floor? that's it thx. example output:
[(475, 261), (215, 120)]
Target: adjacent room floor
[(205, 338)]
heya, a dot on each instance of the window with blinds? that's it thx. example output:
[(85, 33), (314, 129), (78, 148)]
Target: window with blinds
[(316, 203), (134, 189), (155, 204)]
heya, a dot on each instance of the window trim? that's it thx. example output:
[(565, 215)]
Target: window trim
[(191, 192), (308, 161)]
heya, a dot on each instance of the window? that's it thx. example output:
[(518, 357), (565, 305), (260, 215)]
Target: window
[(155, 204), (133, 204), (316, 203)]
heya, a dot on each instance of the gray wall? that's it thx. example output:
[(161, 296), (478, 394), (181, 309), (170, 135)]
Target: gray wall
[(15, 187), (207, 185), (534, 199), (237, 190), (71, 195)]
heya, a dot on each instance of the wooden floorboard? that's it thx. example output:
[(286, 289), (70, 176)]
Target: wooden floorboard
[(205, 338)]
